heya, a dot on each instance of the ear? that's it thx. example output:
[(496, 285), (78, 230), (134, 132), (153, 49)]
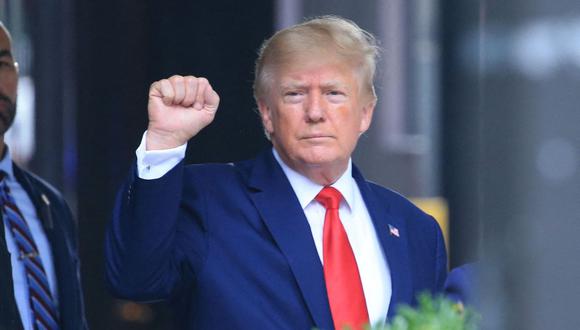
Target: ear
[(266, 115), (367, 116)]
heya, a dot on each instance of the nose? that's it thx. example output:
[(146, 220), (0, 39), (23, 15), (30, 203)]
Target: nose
[(314, 108)]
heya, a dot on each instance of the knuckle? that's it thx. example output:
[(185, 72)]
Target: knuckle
[(176, 79), (164, 84), (189, 80), (203, 81)]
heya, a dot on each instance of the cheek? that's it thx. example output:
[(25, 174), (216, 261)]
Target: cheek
[(350, 127), (287, 119), (11, 88)]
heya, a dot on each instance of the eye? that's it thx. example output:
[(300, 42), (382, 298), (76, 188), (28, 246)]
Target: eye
[(336, 96), (293, 96)]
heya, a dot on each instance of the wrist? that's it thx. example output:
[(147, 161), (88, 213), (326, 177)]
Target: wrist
[(161, 141)]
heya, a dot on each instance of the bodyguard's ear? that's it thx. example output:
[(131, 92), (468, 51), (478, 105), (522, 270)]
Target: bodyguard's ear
[(266, 115)]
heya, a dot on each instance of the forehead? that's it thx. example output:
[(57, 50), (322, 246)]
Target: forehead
[(320, 70), (5, 44)]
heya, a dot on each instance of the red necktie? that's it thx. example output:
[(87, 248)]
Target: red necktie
[(343, 284)]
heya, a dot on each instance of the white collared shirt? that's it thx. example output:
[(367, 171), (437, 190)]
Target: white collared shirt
[(355, 218), (28, 210)]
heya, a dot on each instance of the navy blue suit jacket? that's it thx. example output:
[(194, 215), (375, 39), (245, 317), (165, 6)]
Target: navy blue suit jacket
[(230, 245), (61, 231)]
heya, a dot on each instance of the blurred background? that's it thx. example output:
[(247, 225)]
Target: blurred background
[(478, 120)]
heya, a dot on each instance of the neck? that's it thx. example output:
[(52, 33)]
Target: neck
[(323, 176)]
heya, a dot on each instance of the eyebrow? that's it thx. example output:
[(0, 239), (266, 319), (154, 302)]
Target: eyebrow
[(326, 84), (293, 84), (334, 84), (5, 52)]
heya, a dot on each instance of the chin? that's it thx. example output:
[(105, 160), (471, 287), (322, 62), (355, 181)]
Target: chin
[(320, 160)]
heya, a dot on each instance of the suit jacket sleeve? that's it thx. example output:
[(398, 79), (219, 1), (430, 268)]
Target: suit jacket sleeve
[(144, 260)]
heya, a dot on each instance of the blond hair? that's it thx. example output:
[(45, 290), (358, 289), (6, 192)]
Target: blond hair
[(325, 34)]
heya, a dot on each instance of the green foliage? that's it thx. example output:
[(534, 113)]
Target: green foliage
[(433, 314), (437, 313)]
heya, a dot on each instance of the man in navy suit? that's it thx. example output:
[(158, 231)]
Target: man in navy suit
[(46, 224), (293, 239)]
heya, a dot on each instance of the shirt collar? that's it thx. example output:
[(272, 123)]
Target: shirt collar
[(6, 163), (306, 190)]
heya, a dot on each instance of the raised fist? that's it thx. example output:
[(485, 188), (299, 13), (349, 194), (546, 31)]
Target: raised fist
[(179, 107)]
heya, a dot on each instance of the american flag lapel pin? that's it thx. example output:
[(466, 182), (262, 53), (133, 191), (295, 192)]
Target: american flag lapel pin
[(394, 231)]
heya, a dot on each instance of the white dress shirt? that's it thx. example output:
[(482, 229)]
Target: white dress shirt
[(372, 265), (28, 210)]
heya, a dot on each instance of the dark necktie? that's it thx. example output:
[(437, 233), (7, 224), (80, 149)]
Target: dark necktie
[(343, 284), (42, 305)]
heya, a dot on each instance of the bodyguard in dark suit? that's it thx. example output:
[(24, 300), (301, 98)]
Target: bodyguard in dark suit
[(39, 280), (293, 239), (462, 284)]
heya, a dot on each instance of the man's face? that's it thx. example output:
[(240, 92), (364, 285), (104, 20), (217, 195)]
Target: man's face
[(8, 82), (315, 112)]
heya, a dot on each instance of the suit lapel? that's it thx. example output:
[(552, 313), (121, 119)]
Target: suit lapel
[(64, 267), (395, 248), (280, 210)]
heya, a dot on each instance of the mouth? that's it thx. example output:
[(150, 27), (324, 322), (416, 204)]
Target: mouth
[(316, 137)]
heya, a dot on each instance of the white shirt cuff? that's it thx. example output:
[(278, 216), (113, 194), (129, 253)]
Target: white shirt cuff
[(153, 164)]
